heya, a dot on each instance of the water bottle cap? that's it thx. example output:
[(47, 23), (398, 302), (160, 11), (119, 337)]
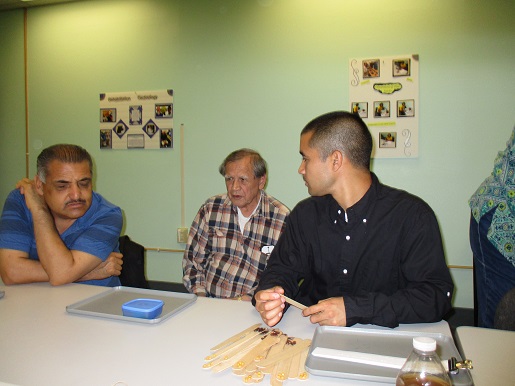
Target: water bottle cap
[(424, 344)]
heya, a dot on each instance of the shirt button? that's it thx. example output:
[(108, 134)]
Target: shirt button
[(345, 271), (448, 294), (339, 211), (335, 221), (364, 220), (347, 237)]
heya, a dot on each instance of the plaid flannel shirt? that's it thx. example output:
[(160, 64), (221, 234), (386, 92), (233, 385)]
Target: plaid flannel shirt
[(222, 261)]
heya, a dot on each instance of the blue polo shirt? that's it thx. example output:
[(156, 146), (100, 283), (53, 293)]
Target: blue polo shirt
[(96, 232)]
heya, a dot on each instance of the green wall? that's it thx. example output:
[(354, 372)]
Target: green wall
[(252, 74), (12, 102)]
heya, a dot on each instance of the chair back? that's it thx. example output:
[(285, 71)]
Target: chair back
[(133, 268)]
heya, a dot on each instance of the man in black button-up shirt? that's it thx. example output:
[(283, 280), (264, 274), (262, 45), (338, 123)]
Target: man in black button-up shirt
[(363, 252)]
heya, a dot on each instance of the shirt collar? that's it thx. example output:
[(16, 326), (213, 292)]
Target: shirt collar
[(358, 210)]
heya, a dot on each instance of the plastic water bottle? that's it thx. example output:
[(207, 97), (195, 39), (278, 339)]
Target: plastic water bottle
[(423, 366)]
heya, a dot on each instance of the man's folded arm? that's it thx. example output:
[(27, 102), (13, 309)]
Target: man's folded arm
[(17, 268)]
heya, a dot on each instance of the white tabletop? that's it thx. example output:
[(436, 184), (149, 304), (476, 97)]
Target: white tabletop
[(491, 352), (41, 344)]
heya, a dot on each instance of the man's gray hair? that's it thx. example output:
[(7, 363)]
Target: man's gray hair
[(64, 153), (258, 163)]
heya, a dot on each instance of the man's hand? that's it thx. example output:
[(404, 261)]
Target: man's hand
[(270, 305), (111, 267), (33, 199), (113, 264), (328, 312)]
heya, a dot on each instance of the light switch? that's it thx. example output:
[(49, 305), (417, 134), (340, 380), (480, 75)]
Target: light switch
[(182, 235)]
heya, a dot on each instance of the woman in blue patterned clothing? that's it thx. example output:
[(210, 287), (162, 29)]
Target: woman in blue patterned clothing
[(492, 235)]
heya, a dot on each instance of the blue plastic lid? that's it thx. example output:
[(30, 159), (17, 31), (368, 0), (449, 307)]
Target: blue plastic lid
[(143, 305), (143, 308)]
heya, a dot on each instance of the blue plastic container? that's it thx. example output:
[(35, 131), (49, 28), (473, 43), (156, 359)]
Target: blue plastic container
[(143, 308)]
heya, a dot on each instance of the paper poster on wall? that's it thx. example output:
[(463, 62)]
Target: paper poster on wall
[(136, 120), (384, 92)]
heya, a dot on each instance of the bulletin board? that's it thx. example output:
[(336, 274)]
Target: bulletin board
[(136, 120), (384, 92)]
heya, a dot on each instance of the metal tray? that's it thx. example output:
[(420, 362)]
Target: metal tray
[(380, 342), (108, 304)]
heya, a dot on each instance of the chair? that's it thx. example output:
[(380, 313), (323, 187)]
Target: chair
[(133, 268)]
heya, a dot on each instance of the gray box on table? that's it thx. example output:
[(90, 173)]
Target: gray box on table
[(380, 342), (108, 304)]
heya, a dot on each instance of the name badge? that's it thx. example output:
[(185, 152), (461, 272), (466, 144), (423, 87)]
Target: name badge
[(267, 249)]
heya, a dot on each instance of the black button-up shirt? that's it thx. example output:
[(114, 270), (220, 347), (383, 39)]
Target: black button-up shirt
[(384, 256)]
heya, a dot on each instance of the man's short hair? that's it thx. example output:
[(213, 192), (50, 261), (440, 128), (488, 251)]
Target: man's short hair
[(342, 131), (63, 153), (258, 163)]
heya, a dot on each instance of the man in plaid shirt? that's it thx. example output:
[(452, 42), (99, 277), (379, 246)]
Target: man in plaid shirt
[(233, 233)]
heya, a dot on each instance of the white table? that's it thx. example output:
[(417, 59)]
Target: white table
[(491, 351), (41, 344)]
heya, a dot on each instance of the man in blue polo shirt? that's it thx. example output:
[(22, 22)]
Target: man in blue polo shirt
[(55, 229)]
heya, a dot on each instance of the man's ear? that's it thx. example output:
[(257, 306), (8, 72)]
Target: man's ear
[(337, 159), (39, 184), (262, 182)]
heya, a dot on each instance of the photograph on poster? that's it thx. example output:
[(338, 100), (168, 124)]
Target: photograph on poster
[(360, 108), (107, 115), (164, 111), (371, 68), (120, 129), (388, 139), (166, 138), (135, 115), (406, 108), (105, 139), (401, 67), (382, 109), (150, 128)]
